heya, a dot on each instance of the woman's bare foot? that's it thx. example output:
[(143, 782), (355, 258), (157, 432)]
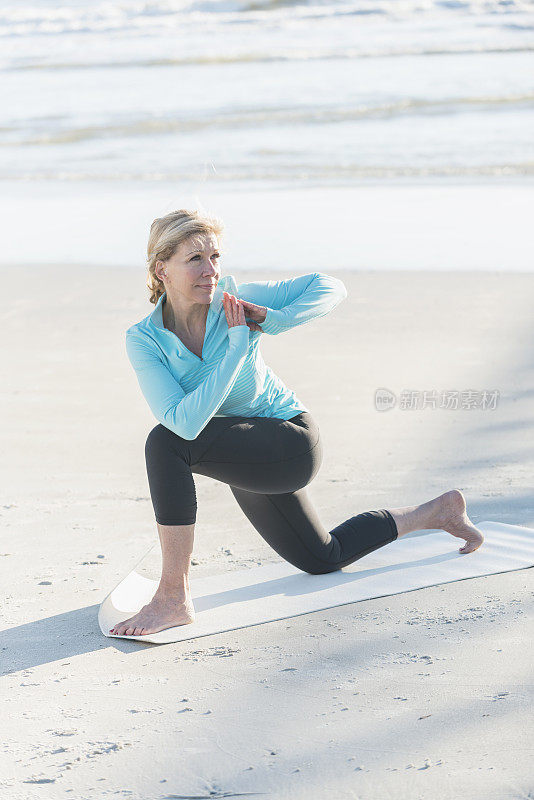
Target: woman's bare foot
[(450, 515), (163, 611)]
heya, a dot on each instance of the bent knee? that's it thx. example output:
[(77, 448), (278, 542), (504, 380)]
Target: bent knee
[(155, 435), (321, 570), (164, 446), (159, 438)]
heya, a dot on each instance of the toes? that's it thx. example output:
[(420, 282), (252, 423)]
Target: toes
[(470, 547), (127, 629), (118, 629)]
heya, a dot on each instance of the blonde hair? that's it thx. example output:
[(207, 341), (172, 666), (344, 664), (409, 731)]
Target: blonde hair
[(167, 234)]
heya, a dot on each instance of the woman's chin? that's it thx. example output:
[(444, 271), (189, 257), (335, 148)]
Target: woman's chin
[(205, 294)]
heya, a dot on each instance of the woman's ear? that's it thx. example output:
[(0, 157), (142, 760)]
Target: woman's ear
[(159, 269)]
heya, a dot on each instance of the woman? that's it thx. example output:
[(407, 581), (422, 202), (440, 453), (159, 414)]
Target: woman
[(222, 412)]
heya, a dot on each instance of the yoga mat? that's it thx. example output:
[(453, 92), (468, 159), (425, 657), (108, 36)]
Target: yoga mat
[(239, 598)]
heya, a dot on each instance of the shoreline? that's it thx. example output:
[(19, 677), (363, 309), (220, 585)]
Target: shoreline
[(377, 227)]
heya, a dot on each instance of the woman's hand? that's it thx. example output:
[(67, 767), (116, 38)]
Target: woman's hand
[(257, 313), (233, 309)]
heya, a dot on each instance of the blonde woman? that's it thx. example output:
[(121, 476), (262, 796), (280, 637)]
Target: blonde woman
[(223, 412)]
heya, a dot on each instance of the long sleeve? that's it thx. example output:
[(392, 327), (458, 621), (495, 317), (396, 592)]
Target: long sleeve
[(292, 302), (186, 414)]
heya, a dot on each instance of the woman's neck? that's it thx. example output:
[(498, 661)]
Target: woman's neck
[(190, 318)]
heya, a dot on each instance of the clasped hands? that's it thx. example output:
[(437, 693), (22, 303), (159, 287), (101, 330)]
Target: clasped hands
[(235, 310)]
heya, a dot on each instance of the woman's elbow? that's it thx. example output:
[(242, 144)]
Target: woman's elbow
[(336, 285), (182, 428), (342, 289)]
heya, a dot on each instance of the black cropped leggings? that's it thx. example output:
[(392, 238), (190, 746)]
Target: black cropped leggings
[(267, 463)]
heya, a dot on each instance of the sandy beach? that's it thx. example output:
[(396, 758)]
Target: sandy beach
[(387, 143), (417, 695)]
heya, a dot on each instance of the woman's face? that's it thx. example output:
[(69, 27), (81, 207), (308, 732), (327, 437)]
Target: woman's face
[(193, 270)]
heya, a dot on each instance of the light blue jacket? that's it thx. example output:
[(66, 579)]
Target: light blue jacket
[(231, 379)]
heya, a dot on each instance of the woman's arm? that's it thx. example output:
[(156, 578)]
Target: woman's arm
[(186, 414), (292, 302)]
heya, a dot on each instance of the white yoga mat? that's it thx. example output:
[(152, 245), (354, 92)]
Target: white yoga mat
[(240, 598)]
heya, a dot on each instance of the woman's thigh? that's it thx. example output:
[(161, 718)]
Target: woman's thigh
[(259, 454)]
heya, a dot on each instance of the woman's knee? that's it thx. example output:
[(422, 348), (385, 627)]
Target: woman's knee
[(322, 569), (162, 442), (156, 439), (310, 564)]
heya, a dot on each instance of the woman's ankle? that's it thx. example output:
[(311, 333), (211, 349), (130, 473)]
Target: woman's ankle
[(172, 590), (411, 518)]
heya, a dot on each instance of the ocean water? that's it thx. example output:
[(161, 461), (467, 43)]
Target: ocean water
[(172, 99)]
